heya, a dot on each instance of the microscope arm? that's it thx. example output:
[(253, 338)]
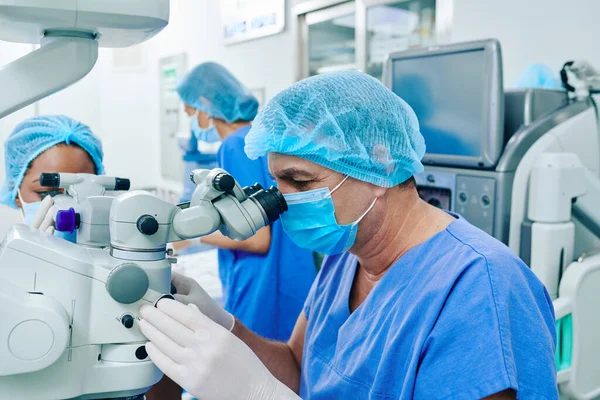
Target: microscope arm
[(34, 331), (60, 62)]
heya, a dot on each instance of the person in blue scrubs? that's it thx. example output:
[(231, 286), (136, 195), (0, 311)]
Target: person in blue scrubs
[(412, 302), (267, 277)]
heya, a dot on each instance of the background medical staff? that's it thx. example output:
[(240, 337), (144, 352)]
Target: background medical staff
[(199, 152), (46, 144), (265, 278)]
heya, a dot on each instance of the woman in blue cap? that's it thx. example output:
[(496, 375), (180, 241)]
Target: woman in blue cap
[(46, 144), (412, 303), (267, 277)]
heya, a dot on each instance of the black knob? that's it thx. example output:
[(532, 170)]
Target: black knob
[(127, 321), (122, 184), (50, 180), (141, 353), (147, 224), (223, 182), (485, 200)]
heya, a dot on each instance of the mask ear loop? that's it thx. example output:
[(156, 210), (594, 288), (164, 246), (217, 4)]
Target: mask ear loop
[(338, 186), (366, 212), (23, 204)]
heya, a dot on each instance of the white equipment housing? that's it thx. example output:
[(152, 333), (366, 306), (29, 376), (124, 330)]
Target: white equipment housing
[(69, 311), (541, 196)]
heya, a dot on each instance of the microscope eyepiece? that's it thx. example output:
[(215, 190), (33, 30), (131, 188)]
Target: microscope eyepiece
[(250, 190), (272, 202), (122, 184), (50, 180)]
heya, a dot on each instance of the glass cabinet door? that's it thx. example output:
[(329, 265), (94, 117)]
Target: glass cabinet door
[(331, 39), (397, 26)]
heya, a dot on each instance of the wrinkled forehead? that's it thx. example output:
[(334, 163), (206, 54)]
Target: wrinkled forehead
[(283, 165)]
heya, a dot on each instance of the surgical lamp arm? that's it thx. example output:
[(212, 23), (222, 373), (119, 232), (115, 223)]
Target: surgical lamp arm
[(58, 63)]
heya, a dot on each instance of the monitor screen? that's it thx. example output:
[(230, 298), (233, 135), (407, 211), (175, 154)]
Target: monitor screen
[(449, 93)]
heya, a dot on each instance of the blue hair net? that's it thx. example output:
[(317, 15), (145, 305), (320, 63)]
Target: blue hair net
[(346, 121), (539, 76), (211, 88), (34, 136)]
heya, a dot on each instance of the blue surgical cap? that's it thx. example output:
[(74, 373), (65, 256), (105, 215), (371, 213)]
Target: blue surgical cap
[(211, 88), (34, 136), (539, 76), (346, 121)]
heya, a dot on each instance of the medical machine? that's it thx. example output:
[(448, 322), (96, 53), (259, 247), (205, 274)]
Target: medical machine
[(69, 312), (522, 165)]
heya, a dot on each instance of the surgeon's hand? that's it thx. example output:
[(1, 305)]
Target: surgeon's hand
[(204, 358), (44, 217), (190, 292)]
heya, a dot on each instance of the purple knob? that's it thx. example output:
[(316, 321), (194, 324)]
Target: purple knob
[(67, 220)]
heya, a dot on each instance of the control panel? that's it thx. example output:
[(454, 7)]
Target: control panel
[(473, 197)]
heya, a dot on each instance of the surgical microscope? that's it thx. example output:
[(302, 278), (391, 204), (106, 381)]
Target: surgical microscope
[(69, 311)]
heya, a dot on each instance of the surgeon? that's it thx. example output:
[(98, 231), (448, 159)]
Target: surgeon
[(412, 302), (46, 144)]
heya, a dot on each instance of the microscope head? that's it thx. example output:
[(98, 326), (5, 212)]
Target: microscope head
[(84, 206), (141, 225)]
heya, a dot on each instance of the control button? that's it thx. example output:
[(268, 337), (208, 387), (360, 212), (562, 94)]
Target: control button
[(127, 321), (463, 197), (147, 224), (430, 178), (127, 283), (141, 353), (485, 200)]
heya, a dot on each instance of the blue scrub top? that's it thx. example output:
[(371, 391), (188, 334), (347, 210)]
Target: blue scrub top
[(265, 292), (457, 317)]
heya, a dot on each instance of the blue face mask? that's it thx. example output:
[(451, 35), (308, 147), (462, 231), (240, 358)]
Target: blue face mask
[(310, 222), (29, 211), (202, 134)]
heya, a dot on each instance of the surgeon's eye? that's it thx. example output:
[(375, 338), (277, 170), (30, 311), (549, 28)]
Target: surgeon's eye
[(301, 184)]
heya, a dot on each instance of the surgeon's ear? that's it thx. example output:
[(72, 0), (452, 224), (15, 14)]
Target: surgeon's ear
[(18, 202), (379, 191)]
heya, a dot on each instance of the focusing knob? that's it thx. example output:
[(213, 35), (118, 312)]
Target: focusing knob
[(223, 182), (127, 283), (147, 224)]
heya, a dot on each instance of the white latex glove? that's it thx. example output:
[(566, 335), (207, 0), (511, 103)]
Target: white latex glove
[(44, 217), (190, 292), (204, 358)]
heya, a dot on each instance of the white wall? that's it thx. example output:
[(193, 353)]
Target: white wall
[(532, 31), (122, 107)]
